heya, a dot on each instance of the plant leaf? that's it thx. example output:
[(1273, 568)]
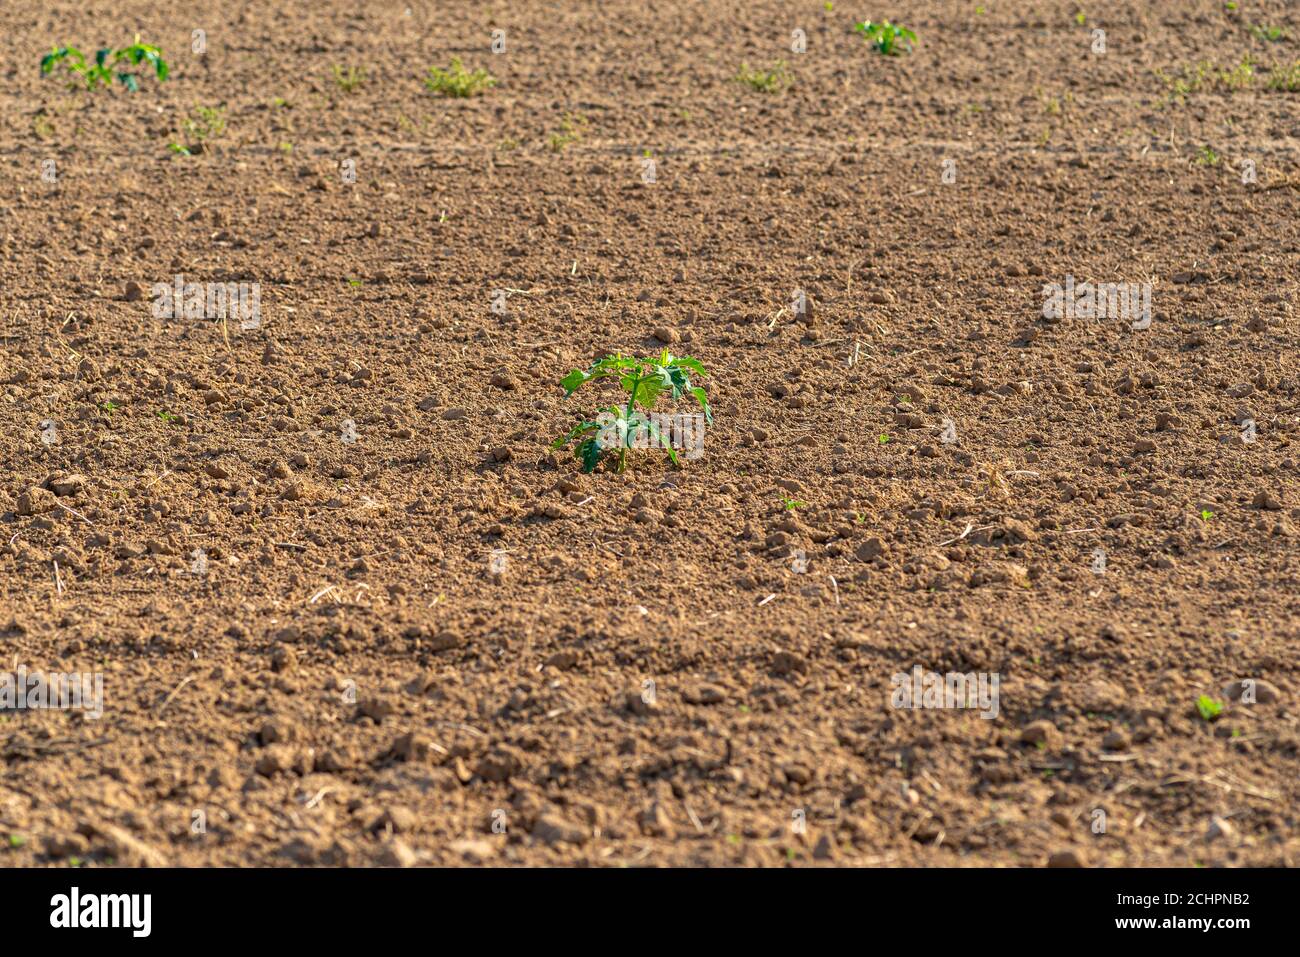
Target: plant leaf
[(573, 381), (686, 362), (589, 452), (703, 400)]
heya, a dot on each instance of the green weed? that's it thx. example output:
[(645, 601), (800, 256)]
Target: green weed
[(350, 80), (456, 81), (774, 80), (571, 130), (1285, 79)]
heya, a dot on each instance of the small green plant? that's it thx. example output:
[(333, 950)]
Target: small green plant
[(1206, 515), (1207, 157), (205, 123), (1239, 77), (1208, 707), (1285, 79), (887, 38), (1204, 77), (764, 81), (41, 125), (108, 64), (351, 79), (1271, 34), (109, 406), (615, 427), (166, 416), (571, 130), (1080, 18), (792, 503), (883, 438), (458, 81)]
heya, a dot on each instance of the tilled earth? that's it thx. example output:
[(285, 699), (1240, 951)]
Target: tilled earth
[(441, 643)]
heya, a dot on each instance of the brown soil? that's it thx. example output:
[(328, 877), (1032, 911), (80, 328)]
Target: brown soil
[(354, 678)]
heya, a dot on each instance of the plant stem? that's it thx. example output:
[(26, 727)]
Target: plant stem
[(631, 400), (627, 418)]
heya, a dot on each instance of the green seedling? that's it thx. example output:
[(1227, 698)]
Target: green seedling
[(1207, 157), (571, 130), (1204, 77), (205, 123), (108, 64), (1240, 76), (1285, 79), (644, 380), (1271, 34), (110, 406), (458, 81), (792, 503), (166, 416), (1206, 515), (887, 38), (350, 80), (1208, 707), (16, 841), (883, 438), (764, 81), (1080, 18), (1055, 105)]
